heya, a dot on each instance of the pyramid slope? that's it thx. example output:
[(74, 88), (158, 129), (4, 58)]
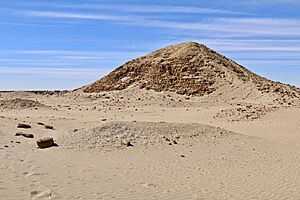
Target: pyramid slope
[(188, 68)]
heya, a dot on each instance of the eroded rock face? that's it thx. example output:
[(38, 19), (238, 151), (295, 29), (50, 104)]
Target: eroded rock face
[(185, 69), (45, 143), (189, 69)]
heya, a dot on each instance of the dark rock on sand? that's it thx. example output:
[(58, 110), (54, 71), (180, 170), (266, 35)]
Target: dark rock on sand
[(26, 126), (49, 127), (27, 135), (45, 143)]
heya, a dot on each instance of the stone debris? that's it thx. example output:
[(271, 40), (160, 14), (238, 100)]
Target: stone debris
[(27, 135), (25, 126), (45, 143)]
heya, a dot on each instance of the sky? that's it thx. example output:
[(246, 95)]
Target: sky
[(65, 44)]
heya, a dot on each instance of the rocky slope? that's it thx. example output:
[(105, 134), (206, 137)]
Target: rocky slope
[(191, 69)]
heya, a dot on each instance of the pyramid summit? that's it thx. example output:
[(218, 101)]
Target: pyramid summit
[(187, 68)]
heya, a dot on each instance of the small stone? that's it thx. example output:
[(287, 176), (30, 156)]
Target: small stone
[(49, 127), (27, 135), (183, 156), (40, 123), (45, 143), (127, 143), (26, 126)]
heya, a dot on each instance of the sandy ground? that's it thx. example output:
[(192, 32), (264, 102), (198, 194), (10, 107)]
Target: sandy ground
[(183, 147)]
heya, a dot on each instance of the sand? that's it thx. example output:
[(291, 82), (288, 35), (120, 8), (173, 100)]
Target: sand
[(181, 147), (183, 122)]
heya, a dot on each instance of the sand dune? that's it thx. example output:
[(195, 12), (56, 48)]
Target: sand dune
[(225, 141)]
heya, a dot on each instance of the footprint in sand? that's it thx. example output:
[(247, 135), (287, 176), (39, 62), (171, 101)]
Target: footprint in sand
[(149, 185), (40, 195), (31, 174)]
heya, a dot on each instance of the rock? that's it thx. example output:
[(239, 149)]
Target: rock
[(27, 135), (27, 126), (45, 143), (40, 123), (189, 69), (49, 127), (127, 143)]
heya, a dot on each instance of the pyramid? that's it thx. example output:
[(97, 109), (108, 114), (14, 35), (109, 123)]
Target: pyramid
[(187, 68)]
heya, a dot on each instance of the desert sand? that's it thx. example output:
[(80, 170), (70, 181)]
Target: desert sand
[(183, 122)]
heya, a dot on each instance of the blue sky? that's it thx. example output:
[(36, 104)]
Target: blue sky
[(64, 44)]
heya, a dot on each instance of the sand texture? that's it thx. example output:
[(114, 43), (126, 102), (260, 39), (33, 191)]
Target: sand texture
[(235, 137)]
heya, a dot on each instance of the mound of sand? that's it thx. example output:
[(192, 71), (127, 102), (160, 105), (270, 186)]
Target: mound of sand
[(192, 69), (245, 113), (19, 103), (120, 134)]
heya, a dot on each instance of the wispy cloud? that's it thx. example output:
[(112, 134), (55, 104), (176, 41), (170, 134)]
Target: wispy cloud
[(98, 54), (142, 8), (54, 71), (156, 9), (253, 45), (228, 26), (70, 15)]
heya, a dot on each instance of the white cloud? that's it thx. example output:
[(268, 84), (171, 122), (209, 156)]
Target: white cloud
[(55, 71), (253, 45), (70, 15), (218, 26), (139, 8)]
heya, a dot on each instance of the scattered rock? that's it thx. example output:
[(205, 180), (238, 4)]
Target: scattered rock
[(27, 135), (127, 143), (19, 103), (49, 127), (45, 143), (26, 126)]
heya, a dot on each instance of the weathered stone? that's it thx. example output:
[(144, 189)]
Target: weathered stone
[(45, 143), (49, 127), (27, 135), (26, 126)]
